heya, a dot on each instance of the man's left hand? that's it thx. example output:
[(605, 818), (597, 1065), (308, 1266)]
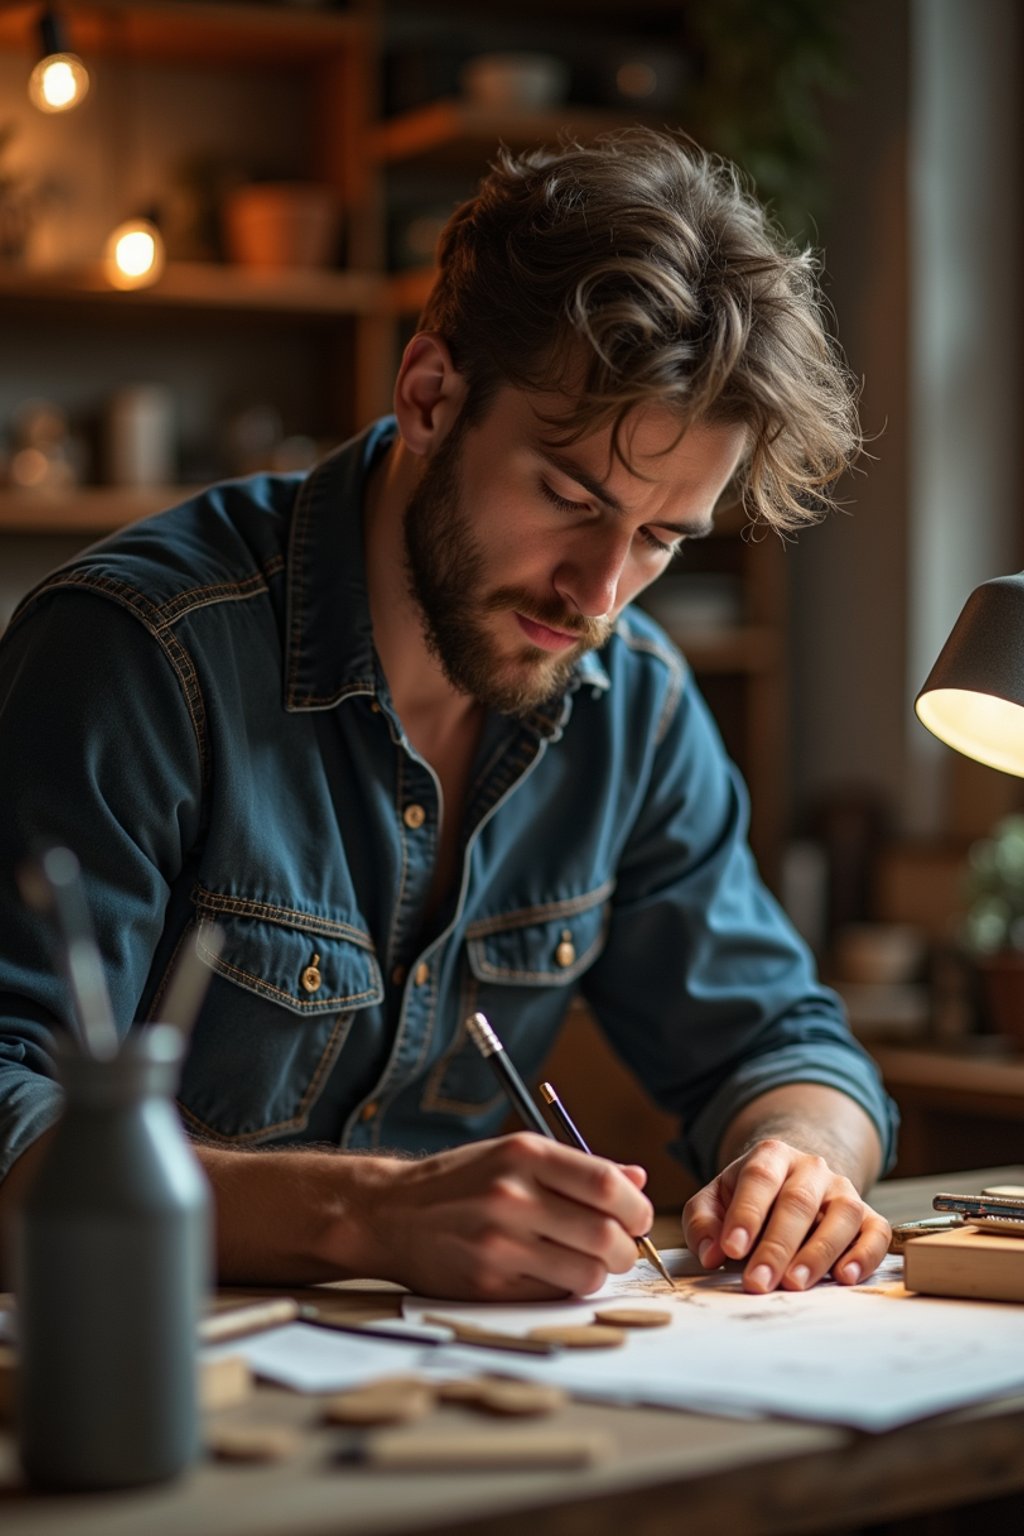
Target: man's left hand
[(790, 1216)]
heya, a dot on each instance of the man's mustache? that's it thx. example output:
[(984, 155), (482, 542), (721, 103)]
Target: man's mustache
[(590, 632)]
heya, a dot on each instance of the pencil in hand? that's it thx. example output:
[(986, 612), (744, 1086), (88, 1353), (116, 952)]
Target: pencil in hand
[(645, 1247)]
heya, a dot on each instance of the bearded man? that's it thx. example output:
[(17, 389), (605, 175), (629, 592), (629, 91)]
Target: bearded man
[(396, 727)]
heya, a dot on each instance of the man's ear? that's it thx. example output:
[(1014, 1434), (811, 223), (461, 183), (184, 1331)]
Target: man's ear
[(429, 393)]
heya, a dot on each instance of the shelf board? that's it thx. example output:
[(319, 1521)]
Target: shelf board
[(188, 31), (211, 285), (408, 291), (460, 134), (87, 509)]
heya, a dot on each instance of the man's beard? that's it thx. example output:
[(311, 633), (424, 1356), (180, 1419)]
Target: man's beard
[(446, 572)]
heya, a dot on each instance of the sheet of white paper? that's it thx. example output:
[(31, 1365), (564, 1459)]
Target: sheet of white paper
[(316, 1360), (872, 1356)]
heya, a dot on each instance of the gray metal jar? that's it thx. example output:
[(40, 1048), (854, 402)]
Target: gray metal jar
[(112, 1264)]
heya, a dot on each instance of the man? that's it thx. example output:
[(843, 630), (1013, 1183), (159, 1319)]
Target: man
[(395, 728)]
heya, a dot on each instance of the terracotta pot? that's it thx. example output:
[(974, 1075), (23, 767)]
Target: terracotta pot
[(1002, 978), (281, 225)]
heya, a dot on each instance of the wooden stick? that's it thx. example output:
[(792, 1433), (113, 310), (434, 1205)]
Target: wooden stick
[(486, 1450), (490, 1338), (239, 1321)]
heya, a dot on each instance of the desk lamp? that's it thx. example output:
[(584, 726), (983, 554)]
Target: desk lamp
[(973, 699)]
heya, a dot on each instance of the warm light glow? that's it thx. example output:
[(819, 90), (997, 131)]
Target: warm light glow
[(58, 83), (135, 254), (989, 729), (636, 80)]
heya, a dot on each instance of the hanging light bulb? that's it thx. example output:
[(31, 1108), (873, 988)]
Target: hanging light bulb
[(60, 80), (134, 255)]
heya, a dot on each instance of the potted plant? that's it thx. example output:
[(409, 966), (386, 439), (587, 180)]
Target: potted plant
[(994, 923)]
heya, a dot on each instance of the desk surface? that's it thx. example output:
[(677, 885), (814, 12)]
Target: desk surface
[(760, 1478)]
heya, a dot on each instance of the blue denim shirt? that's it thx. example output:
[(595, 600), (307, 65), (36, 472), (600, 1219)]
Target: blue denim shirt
[(196, 707)]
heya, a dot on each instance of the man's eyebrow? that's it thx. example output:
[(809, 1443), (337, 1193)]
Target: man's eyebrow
[(594, 487)]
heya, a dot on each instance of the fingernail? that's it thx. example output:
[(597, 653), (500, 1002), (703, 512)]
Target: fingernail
[(761, 1277), (851, 1273), (703, 1251), (737, 1242), (800, 1275)]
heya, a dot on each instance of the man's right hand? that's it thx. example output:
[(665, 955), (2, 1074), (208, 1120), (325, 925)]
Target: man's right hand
[(518, 1218)]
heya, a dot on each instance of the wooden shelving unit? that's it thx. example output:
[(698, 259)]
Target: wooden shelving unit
[(86, 509), (211, 285), (187, 31), (459, 134)]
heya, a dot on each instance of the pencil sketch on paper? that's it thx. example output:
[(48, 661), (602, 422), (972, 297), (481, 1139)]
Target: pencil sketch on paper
[(820, 1354)]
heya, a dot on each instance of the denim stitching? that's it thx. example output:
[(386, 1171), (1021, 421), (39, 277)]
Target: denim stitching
[(188, 678), (486, 970), (156, 1002), (286, 917), (525, 916), (184, 603), (359, 685), (396, 917), (432, 1099), (148, 615), (678, 673), (330, 1054), (267, 989), (296, 591)]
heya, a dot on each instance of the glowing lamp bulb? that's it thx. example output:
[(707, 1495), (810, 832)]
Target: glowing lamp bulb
[(134, 255), (58, 83)]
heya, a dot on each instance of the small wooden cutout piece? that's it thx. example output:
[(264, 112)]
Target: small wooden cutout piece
[(580, 1336), (223, 1382), (493, 1394), (633, 1317), (256, 1443), (390, 1400), (482, 1450)]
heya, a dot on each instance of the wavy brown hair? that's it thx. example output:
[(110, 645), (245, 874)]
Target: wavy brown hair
[(638, 269)]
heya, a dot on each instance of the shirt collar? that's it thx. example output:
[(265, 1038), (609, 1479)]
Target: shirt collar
[(329, 645), (329, 650)]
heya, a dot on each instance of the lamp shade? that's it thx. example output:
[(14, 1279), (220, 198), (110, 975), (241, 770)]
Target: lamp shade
[(974, 696)]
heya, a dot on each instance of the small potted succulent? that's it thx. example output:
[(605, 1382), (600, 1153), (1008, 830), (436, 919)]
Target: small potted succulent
[(994, 922)]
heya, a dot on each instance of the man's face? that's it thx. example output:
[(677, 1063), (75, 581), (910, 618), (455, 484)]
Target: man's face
[(521, 554)]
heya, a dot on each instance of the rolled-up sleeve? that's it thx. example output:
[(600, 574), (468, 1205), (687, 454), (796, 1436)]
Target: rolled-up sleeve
[(704, 988), (98, 751)]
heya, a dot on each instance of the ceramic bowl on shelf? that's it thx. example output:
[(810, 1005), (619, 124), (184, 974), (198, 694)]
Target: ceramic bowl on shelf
[(280, 226), (522, 80)]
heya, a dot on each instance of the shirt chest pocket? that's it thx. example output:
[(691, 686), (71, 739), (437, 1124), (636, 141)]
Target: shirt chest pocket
[(519, 970), (281, 1003)]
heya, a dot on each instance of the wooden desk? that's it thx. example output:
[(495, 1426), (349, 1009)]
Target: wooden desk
[(674, 1473)]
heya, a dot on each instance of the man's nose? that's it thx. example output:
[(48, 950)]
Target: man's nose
[(590, 578)]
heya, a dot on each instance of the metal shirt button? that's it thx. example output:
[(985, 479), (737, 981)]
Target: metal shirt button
[(311, 978), (369, 1110), (565, 954), (414, 816), (398, 975), (422, 975)]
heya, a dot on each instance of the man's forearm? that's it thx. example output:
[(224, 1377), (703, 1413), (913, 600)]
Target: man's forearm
[(815, 1119), (294, 1217)]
